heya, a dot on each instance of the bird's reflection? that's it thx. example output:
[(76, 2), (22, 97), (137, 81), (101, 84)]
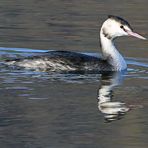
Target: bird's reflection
[(110, 109)]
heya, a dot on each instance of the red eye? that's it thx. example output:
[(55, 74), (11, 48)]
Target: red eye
[(122, 27)]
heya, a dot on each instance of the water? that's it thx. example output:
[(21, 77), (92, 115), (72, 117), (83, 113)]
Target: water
[(39, 109)]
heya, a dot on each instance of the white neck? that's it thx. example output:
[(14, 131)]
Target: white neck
[(111, 54)]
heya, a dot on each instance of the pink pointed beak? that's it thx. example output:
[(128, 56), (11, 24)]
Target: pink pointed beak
[(130, 33)]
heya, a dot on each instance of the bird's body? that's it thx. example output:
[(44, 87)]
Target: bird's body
[(63, 61), (111, 59)]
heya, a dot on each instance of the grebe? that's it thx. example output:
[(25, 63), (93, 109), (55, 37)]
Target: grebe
[(111, 59)]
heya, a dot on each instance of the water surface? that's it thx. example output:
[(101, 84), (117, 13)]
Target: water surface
[(41, 109)]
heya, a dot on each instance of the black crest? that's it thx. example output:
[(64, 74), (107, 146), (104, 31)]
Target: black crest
[(120, 20)]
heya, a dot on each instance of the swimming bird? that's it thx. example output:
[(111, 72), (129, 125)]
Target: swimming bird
[(111, 59)]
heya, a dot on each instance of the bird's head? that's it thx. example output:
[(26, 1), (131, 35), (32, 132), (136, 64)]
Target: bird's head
[(116, 26)]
